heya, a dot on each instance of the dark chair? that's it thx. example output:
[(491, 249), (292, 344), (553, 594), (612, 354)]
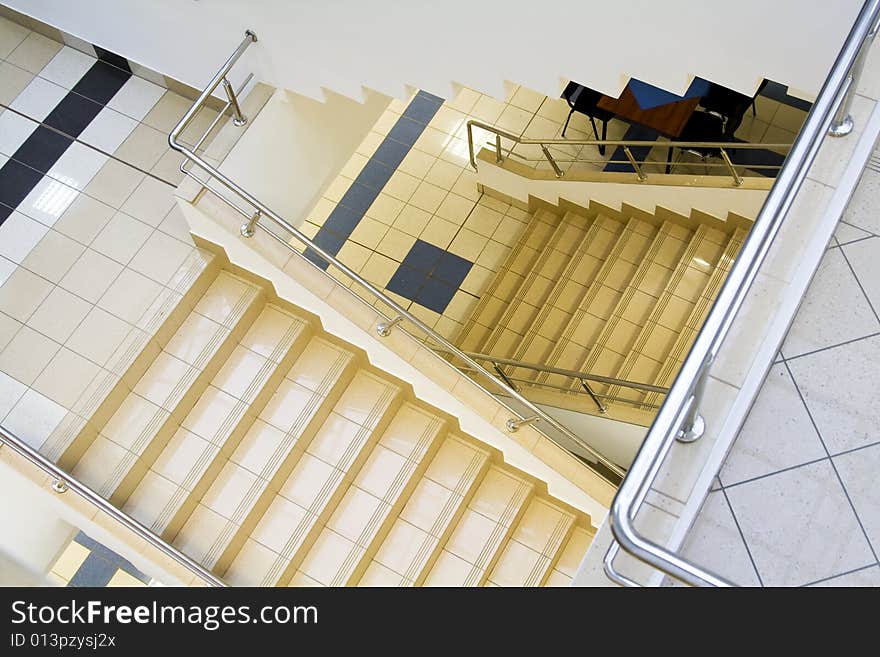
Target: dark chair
[(731, 105), (702, 126), (584, 100)]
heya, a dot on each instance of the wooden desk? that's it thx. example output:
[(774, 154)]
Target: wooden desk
[(668, 120)]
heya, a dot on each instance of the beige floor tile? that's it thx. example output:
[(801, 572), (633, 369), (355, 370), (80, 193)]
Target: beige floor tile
[(290, 407), (59, 315), (277, 523), (123, 579), (167, 111), (229, 492), (27, 354), (416, 163), (130, 295), (22, 293), (114, 183), (34, 52), (451, 462), (515, 564), (449, 570), (380, 471), (333, 550), (70, 560), (353, 513), (135, 419), (468, 244), (184, 454), (428, 196), (121, 238), (160, 257), (53, 256), (252, 566), (243, 374), (160, 384), (378, 575), (213, 415), (200, 534), (439, 232), (195, 337), (91, 275), (402, 547), (305, 482), (386, 207), (222, 297), (150, 201), (84, 219), (259, 447), (336, 436), (66, 378), (34, 418), (11, 35), (471, 536)]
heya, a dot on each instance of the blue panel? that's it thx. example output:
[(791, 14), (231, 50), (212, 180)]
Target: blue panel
[(648, 96), (359, 198), (619, 161), (436, 295), (452, 269), (111, 557), (406, 282), (748, 157), (779, 92), (374, 175), (423, 108), (406, 131), (391, 153), (94, 571), (342, 221), (423, 257)]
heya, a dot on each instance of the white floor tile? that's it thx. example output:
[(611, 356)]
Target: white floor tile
[(14, 130), (108, 130), (38, 98), (48, 200), (799, 526), (34, 418), (77, 166), (67, 67), (19, 235), (10, 392), (136, 97), (858, 470)]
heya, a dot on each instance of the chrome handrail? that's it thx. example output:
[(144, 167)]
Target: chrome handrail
[(63, 482), (264, 212), (679, 415), (721, 146)]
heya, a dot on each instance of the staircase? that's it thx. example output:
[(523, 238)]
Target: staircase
[(612, 293), (275, 454)]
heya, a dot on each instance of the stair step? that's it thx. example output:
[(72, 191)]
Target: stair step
[(438, 500), (534, 546), (651, 347), (199, 452), (373, 501), (694, 319), (600, 299), (295, 515), (635, 303), (130, 441), (526, 303), (570, 558), (474, 545), (227, 512), (567, 294), (509, 278)]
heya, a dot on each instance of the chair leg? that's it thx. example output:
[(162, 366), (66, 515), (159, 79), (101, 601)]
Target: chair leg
[(669, 159), (754, 109), (604, 136), (565, 127), (596, 134)]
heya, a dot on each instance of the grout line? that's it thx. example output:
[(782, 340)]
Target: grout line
[(787, 359), (847, 572), (770, 474), (833, 465), (742, 536), (859, 283), (79, 141)]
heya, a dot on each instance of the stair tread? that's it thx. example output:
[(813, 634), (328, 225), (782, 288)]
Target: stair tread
[(221, 410), (157, 396), (437, 500), (319, 474), (316, 372)]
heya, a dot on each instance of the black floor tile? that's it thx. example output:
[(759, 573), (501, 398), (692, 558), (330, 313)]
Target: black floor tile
[(16, 182), (73, 114), (112, 58), (42, 149), (101, 82)]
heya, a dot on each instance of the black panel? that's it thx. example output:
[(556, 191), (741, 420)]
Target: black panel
[(16, 182), (112, 58), (73, 114), (101, 82), (42, 149)]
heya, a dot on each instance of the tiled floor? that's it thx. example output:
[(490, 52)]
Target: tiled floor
[(796, 503), (408, 194), (90, 237), (85, 562)]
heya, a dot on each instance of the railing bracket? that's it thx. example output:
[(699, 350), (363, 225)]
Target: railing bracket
[(249, 227), (514, 425), (59, 486), (384, 328)]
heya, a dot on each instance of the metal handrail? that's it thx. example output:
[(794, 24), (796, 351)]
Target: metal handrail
[(264, 212), (721, 146), (679, 415), (64, 482)]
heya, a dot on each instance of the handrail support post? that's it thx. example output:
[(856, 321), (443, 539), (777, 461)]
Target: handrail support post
[(238, 119), (737, 179), (552, 162), (842, 124), (694, 426), (384, 328), (514, 425), (635, 165), (249, 227), (586, 386)]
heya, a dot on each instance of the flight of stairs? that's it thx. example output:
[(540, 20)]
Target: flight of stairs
[(274, 454), (604, 292)]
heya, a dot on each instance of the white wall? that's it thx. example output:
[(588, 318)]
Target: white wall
[(296, 146), (343, 44), (717, 201), (33, 534)]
